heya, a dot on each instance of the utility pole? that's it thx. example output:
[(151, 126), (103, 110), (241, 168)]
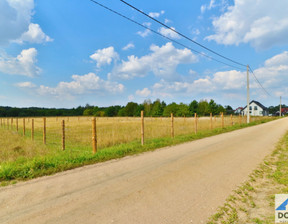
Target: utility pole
[(280, 114), (248, 97)]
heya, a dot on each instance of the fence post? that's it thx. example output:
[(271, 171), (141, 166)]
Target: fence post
[(142, 127), (211, 125), (222, 116), (172, 125), (94, 136), (11, 123), (63, 135), (44, 130), (32, 130), (23, 126), (196, 128)]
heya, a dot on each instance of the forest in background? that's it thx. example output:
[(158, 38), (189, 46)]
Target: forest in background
[(157, 108)]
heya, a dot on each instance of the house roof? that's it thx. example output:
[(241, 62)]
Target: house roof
[(284, 109), (257, 103)]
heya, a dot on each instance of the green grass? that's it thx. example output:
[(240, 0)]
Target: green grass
[(24, 159)]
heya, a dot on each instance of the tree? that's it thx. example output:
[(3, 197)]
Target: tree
[(157, 109), (193, 107), (147, 107), (131, 109), (88, 112), (229, 109), (212, 107), (203, 108), (183, 110), (171, 108)]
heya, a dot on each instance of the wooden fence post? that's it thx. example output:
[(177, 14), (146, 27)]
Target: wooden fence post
[(222, 116), (94, 136), (63, 135), (32, 130), (11, 123), (196, 128), (23, 126), (44, 130), (172, 125), (211, 124), (142, 127)]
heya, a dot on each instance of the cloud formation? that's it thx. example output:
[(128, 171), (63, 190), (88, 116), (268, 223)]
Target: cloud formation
[(34, 35), (104, 56), (162, 61), (156, 14), (168, 32), (265, 26), (23, 64), (15, 20), (85, 84)]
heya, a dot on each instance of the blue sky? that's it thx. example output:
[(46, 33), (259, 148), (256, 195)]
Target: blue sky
[(70, 53)]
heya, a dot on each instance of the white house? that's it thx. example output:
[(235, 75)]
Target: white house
[(255, 109)]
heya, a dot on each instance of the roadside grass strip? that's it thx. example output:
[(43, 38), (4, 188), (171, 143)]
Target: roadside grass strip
[(24, 159), (254, 200)]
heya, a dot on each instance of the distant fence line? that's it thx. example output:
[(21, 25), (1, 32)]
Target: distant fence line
[(61, 129)]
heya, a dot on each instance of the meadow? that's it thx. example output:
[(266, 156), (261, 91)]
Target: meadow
[(23, 154)]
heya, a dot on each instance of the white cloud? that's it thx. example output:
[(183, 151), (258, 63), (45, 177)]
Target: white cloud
[(167, 21), (86, 84), (34, 35), (23, 64), (156, 14), (265, 26), (231, 83), (168, 32), (29, 85), (146, 32), (131, 97), (104, 56), (128, 46), (208, 7), (274, 72), (15, 20), (144, 92), (162, 62)]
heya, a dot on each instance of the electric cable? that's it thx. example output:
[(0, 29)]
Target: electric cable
[(170, 39), (182, 35), (258, 81)]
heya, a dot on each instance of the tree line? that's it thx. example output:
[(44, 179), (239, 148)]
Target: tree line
[(159, 109), (154, 109)]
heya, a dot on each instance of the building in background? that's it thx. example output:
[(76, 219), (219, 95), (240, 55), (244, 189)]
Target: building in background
[(255, 109)]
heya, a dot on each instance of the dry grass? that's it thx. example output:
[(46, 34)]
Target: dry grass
[(110, 131), (22, 159)]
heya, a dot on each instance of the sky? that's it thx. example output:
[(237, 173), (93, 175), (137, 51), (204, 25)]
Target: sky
[(69, 53)]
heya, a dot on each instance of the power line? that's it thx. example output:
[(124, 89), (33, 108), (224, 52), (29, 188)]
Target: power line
[(258, 81), (170, 39), (182, 35), (177, 42)]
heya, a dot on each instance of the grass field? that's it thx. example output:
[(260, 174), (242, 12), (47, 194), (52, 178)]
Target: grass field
[(22, 158)]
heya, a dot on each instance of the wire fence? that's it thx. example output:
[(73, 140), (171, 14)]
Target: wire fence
[(76, 133)]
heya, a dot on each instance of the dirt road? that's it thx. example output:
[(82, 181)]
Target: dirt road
[(181, 184)]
